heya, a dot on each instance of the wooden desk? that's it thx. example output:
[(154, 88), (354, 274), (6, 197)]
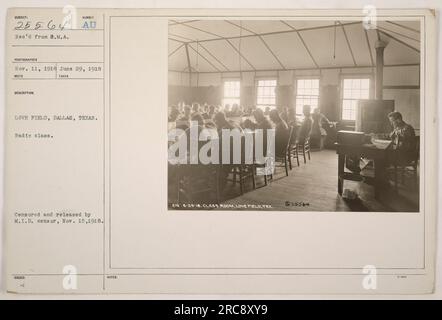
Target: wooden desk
[(379, 156)]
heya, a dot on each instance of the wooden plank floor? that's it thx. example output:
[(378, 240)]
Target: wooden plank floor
[(315, 184)]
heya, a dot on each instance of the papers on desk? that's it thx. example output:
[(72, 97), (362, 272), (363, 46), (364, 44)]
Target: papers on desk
[(381, 143)]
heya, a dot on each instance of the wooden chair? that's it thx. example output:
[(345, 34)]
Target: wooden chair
[(243, 171), (194, 180), (409, 165), (259, 165), (293, 148), (284, 157), (304, 148)]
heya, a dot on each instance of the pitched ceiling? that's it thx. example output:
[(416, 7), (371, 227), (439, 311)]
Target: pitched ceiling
[(253, 45)]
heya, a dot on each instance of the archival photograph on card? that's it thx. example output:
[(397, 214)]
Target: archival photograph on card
[(289, 115)]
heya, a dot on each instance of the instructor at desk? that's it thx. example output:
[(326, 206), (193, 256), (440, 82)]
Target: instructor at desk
[(403, 136), (403, 141)]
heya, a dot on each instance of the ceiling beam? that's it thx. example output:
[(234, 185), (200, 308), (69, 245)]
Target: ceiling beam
[(397, 33), (178, 36), (368, 46), (260, 38), (405, 27), (308, 50), (268, 33), (325, 27), (402, 65), (199, 54), (271, 51), (240, 54), (174, 23), (348, 43), (240, 34), (178, 48), (399, 41), (188, 63), (213, 56), (321, 68), (201, 30), (172, 39), (241, 27), (303, 43)]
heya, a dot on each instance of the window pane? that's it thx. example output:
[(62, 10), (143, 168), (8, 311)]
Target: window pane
[(306, 100), (315, 83), (365, 84), (349, 109), (356, 83), (307, 93), (355, 94), (353, 90), (232, 89), (266, 95), (266, 91), (300, 84)]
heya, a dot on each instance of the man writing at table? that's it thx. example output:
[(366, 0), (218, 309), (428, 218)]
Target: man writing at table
[(402, 136), (403, 142)]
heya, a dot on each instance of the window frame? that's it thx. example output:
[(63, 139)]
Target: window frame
[(224, 80), (314, 77), (343, 77), (256, 89)]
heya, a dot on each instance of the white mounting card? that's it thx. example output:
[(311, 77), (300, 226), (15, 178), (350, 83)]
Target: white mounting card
[(95, 204)]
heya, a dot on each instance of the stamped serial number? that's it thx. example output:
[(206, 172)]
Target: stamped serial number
[(297, 204)]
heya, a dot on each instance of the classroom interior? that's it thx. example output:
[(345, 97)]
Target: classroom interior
[(337, 68)]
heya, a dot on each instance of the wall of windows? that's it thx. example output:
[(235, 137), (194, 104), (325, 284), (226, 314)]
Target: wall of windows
[(232, 92), (266, 93), (336, 96), (353, 89), (307, 93)]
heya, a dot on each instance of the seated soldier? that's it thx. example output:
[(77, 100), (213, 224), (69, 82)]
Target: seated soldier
[(403, 143), (403, 137), (306, 126), (183, 122), (281, 132)]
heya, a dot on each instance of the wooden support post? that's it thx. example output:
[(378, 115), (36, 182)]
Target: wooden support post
[(379, 83)]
